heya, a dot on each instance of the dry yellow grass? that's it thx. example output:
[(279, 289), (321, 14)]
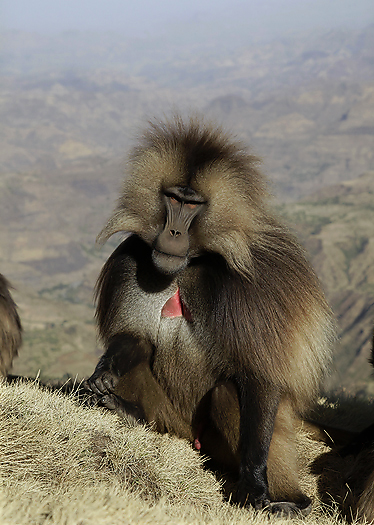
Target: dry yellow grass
[(62, 463)]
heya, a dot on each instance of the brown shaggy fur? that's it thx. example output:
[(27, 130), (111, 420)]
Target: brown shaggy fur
[(10, 328)]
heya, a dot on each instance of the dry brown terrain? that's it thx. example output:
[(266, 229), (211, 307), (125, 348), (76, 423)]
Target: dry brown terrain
[(64, 463), (337, 226), (305, 104)]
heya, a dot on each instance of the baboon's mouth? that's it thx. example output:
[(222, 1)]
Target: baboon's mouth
[(167, 263)]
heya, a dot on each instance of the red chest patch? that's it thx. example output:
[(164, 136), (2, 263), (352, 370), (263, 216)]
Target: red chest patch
[(174, 307)]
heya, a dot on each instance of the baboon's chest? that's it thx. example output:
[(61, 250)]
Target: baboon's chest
[(181, 364)]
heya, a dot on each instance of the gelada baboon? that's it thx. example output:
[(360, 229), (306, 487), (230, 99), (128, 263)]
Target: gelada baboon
[(214, 324), (10, 328)]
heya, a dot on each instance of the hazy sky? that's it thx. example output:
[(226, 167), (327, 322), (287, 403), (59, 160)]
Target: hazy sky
[(144, 17)]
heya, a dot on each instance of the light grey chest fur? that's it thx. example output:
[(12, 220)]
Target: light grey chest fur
[(180, 363)]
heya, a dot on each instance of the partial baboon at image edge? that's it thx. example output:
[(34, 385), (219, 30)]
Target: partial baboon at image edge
[(10, 328), (214, 324)]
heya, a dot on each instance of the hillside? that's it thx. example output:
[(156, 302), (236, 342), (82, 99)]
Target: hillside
[(337, 227), (65, 463), (50, 220), (305, 104)]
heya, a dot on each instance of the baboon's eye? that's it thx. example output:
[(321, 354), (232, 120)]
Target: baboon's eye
[(190, 205)]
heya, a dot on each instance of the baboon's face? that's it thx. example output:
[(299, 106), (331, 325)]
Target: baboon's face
[(171, 247)]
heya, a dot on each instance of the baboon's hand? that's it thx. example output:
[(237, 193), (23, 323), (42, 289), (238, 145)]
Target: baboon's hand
[(123, 408), (94, 395), (102, 383)]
